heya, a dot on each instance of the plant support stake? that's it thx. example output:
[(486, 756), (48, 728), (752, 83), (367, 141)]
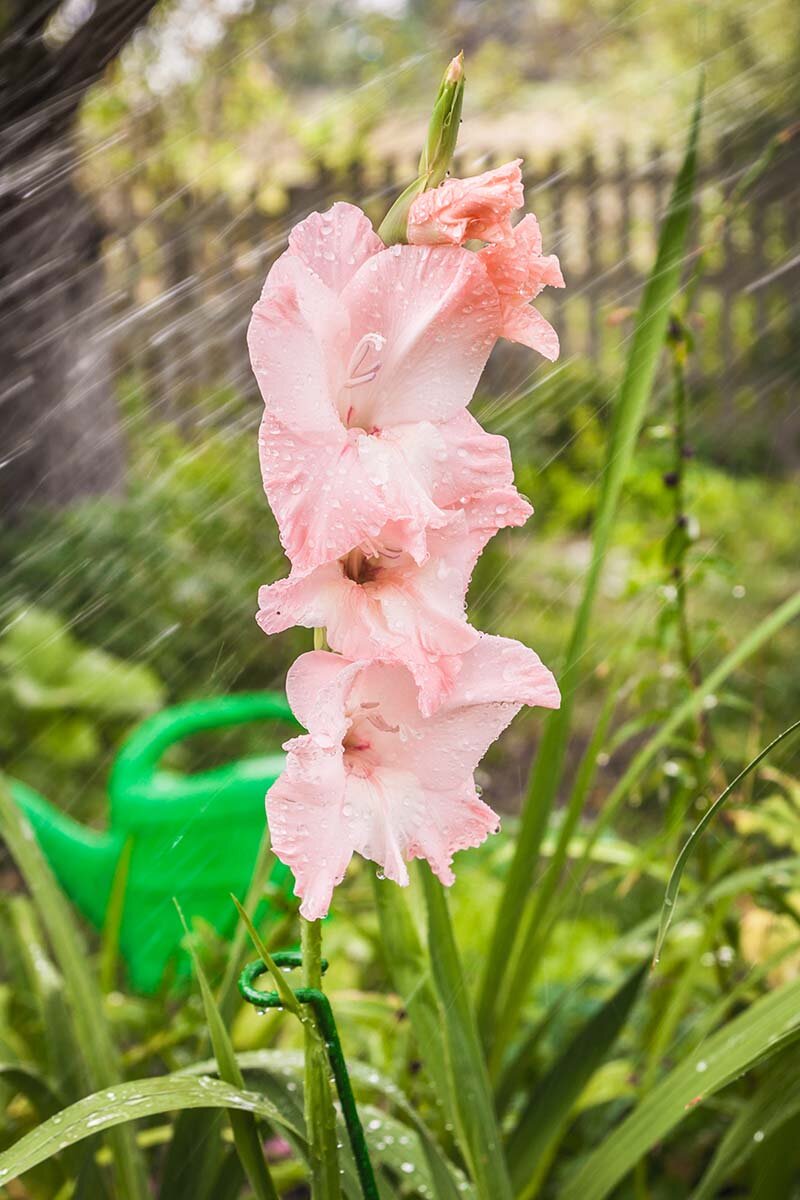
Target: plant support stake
[(327, 1026)]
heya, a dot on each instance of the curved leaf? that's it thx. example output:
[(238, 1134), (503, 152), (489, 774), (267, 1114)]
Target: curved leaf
[(128, 1102), (758, 1032)]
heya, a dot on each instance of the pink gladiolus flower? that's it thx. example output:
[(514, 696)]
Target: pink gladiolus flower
[(520, 271), (386, 606), (366, 358), (376, 777), (458, 210)]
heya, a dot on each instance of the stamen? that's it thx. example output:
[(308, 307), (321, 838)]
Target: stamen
[(370, 342)]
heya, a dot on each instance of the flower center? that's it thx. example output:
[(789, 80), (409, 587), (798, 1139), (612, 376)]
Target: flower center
[(360, 754), (366, 563), (362, 368)]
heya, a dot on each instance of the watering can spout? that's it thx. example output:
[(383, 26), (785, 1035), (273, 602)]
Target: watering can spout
[(82, 859)]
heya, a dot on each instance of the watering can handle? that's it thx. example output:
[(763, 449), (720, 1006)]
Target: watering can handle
[(140, 755)]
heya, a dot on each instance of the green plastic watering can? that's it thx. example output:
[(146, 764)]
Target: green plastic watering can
[(193, 837)]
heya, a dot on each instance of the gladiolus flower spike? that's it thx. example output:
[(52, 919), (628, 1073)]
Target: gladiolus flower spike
[(386, 491)]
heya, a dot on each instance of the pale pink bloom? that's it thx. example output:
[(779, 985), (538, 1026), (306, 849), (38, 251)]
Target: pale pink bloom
[(366, 358), (459, 210), (384, 605), (520, 271), (374, 776)]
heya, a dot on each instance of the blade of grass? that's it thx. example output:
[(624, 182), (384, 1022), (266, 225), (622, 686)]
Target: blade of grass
[(775, 1100), (531, 940), (132, 1101), (765, 1028), (478, 1132), (280, 1065), (546, 1114), (410, 971), (288, 998), (245, 1130), (228, 992), (668, 908), (777, 1162), (109, 946), (64, 1058), (92, 1032), (629, 412)]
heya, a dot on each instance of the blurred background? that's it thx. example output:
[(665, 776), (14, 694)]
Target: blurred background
[(154, 157)]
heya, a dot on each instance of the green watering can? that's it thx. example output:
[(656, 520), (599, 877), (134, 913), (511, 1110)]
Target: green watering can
[(194, 837)]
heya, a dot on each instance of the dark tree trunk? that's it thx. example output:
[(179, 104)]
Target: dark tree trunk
[(60, 436)]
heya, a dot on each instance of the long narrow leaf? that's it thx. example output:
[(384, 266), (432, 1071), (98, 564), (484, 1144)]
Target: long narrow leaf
[(547, 1112), (477, 1127), (282, 1065), (763, 1029), (410, 971), (92, 1031), (629, 412), (775, 1101), (668, 909), (109, 946), (693, 703), (245, 1130), (131, 1101)]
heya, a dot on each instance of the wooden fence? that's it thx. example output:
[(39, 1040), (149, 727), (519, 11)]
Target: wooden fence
[(185, 274)]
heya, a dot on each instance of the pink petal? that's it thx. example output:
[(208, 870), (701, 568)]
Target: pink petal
[(317, 687), (307, 830), (307, 600), (528, 326), (496, 678), (294, 338), (479, 207), (453, 820), (319, 490), (334, 244), (473, 464), (439, 316), (520, 271), (375, 776), (403, 613)]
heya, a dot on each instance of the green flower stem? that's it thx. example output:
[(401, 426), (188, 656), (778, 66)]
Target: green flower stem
[(317, 1000), (318, 1102)]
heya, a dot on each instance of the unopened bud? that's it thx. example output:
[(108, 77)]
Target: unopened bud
[(437, 153)]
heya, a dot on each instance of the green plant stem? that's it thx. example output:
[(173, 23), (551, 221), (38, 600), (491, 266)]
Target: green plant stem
[(515, 921), (319, 1004), (318, 1102), (678, 484)]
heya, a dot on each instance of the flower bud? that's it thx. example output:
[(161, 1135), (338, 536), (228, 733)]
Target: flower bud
[(436, 154)]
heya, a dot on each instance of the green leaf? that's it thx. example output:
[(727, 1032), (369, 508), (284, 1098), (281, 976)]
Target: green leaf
[(29, 1083), (229, 989), (410, 971), (245, 1130), (547, 1112), (777, 1161), (478, 1133), (513, 927), (274, 1067), (773, 1103), (674, 882), (109, 947), (762, 1030), (287, 996), (92, 1033), (129, 1102)]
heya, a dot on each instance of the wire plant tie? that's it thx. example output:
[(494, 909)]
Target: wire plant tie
[(326, 1023)]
